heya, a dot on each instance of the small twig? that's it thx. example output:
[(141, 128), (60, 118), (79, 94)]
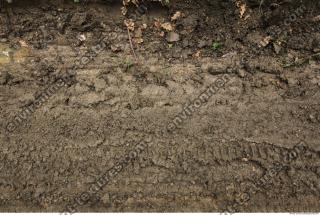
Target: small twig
[(134, 54), (8, 21), (260, 6)]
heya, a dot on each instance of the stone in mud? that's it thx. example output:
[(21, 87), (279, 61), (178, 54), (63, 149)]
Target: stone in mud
[(203, 43), (277, 48), (173, 37), (214, 68), (154, 91), (100, 84)]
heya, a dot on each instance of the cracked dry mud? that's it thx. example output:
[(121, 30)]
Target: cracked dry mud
[(270, 105)]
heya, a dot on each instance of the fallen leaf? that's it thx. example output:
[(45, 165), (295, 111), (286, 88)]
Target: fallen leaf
[(197, 54), (176, 16), (124, 11), (157, 23), (82, 37), (242, 7), (316, 19), (161, 34), (138, 40), (265, 41), (167, 26), (130, 24), (23, 43)]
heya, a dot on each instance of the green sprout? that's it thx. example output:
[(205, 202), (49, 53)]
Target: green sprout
[(166, 2), (128, 64), (216, 45)]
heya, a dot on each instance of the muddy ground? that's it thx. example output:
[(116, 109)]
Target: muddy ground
[(269, 105)]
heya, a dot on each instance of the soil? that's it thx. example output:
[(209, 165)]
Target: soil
[(269, 105)]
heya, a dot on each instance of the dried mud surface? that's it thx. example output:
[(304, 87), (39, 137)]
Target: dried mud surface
[(270, 104)]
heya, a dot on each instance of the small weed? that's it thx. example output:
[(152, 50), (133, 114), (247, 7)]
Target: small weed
[(128, 64), (216, 46), (166, 2)]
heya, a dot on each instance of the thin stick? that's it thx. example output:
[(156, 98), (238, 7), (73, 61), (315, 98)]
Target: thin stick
[(134, 54), (260, 6), (8, 21)]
